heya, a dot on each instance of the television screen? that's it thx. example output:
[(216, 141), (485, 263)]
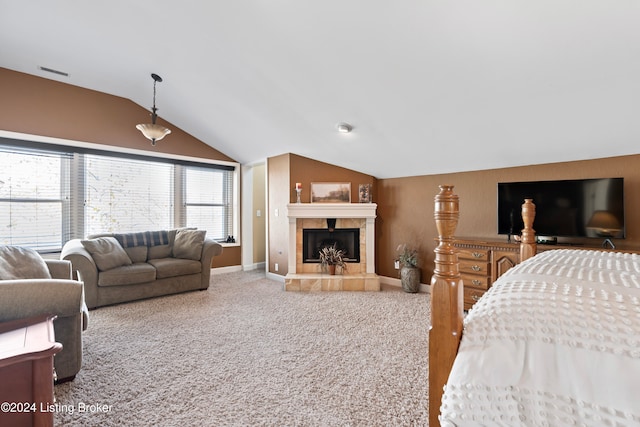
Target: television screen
[(570, 208)]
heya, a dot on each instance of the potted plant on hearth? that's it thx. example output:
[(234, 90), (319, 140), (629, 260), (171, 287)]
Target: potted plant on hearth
[(330, 257), (409, 271)]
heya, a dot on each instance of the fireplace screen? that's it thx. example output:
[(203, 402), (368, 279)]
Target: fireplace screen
[(346, 239)]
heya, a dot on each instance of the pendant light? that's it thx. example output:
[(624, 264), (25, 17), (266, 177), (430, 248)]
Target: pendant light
[(153, 131)]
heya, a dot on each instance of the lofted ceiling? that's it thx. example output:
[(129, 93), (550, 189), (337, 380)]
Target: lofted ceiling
[(429, 86)]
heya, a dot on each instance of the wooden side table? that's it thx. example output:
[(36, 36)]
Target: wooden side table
[(27, 347)]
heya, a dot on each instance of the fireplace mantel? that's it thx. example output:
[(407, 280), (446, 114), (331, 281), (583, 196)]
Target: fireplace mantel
[(333, 210)]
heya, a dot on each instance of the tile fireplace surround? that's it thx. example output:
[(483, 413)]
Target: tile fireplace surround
[(308, 276)]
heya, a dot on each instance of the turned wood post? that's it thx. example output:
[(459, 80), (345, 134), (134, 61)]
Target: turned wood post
[(447, 300), (528, 246)]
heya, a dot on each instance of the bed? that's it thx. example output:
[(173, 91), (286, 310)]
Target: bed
[(554, 342)]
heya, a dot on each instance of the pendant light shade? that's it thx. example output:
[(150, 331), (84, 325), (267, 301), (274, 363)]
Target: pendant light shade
[(153, 131)]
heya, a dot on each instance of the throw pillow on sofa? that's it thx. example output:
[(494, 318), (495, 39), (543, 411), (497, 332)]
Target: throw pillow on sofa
[(106, 252), (188, 244), (22, 263)]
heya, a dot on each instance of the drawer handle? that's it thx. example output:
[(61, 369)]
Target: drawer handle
[(475, 297), (476, 268), (476, 282), (477, 254)]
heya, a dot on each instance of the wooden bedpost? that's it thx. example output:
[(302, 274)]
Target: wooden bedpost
[(528, 246), (447, 300)]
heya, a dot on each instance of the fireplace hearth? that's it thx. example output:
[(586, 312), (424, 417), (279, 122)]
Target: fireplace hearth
[(345, 239)]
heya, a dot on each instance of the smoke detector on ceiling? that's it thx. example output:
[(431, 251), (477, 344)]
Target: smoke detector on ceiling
[(344, 127)]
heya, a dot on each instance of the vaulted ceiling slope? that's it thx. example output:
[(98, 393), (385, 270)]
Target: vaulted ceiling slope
[(429, 86)]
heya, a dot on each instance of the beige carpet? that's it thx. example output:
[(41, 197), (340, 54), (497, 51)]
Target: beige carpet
[(246, 353)]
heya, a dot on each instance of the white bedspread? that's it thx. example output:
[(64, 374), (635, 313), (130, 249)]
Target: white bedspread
[(555, 342)]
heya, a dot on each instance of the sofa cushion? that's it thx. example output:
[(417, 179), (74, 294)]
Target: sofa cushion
[(188, 244), (22, 263), (161, 251), (172, 267), (140, 272), (106, 252), (137, 253)]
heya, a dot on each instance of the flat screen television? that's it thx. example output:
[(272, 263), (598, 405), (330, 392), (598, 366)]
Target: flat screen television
[(569, 208)]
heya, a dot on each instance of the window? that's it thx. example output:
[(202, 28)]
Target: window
[(50, 194), (34, 191), (125, 195), (208, 201)]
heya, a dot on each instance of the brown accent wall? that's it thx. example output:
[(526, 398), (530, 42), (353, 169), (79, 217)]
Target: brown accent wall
[(37, 106), (405, 208), (284, 172), (306, 171), (230, 257)]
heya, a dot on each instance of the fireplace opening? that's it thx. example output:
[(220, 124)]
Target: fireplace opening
[(346, 239)]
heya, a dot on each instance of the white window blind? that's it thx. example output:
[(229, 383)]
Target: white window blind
[(127, 195), (34, 198)]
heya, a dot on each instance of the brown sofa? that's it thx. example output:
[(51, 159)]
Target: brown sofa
[(118, 268)]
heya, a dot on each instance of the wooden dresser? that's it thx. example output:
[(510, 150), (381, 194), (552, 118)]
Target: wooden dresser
[(27, 348), (481, 263)]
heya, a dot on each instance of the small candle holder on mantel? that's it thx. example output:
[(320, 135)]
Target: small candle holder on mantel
[(298, 191)]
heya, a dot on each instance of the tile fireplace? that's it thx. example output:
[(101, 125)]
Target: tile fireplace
[(355, 225)]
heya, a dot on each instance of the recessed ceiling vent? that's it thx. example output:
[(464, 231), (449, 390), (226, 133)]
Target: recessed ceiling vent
[(51, 70)]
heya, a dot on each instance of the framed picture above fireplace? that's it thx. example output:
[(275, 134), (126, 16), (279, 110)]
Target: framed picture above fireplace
[(330, 192)]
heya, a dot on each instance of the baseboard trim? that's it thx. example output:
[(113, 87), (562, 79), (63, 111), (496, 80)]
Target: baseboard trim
[(229, 269), (392, 281), (254, 266), (276, 277)]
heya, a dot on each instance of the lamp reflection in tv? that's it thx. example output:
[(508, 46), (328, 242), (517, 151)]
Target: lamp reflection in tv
[(604, 224)]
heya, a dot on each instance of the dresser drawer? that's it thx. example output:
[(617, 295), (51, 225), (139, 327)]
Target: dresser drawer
[(475, 267), (471, 296), (481, 263), (475, 254), (474, 281)]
